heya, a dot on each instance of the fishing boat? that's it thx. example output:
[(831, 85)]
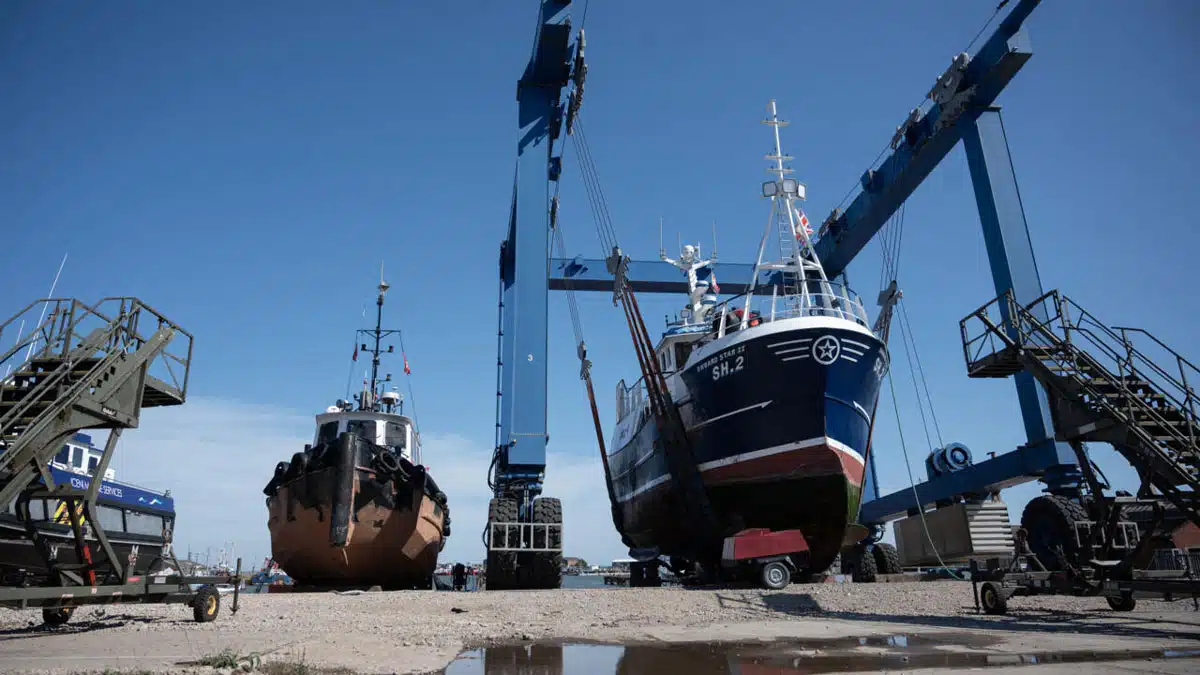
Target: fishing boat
[(138, 522), (776, 394), (357, 507)]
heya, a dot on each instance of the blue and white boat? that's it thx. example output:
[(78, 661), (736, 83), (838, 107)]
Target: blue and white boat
[(139, 522), (776, 393)]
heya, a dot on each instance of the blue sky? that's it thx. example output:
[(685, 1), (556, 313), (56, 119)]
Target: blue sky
[(246, 168)]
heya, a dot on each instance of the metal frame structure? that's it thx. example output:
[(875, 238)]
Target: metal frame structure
[(960, 107), (88, 367)]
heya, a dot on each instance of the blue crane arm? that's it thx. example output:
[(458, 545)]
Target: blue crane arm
[(964, 92), (654, 276)]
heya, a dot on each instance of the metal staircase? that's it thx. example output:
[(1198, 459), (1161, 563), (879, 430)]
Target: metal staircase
[(81, 367), (1103, 386)]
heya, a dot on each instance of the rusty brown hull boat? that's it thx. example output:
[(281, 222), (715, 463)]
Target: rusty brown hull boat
[(357, 508), (337, 523)]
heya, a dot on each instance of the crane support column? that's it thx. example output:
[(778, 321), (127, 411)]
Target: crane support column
[(524, 256), (1010, 253), (524, 531)]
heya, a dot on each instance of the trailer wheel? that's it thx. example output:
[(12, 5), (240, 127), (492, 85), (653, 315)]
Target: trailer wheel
[(57, 616), (1123, 603), (775, 576), (992, 599), (206, 604)]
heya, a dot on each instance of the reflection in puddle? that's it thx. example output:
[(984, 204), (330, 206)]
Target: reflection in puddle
[(778, 658)]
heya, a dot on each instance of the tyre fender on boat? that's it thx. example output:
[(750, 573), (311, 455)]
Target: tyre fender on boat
[(387, 464)]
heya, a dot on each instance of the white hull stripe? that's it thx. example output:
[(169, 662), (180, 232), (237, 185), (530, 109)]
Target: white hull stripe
[(786, 447), (648, 486), (729, 414)]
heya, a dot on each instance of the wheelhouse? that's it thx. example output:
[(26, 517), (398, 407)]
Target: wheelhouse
[(388, 430)]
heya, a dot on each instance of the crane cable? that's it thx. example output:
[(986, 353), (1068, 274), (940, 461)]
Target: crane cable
[(891, 238)]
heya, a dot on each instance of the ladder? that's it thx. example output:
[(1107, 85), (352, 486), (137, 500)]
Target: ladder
[(789, 253), (1102, 386), (81, 367)]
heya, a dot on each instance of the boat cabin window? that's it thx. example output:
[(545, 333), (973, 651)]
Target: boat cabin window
[(328, 433), (682, 351), (396, 436), (112, 519), (143, 523), (77, 458), (364, 429), (64, 456), (93, 464)]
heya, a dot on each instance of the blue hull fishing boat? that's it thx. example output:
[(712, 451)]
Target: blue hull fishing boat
[(777, 395)]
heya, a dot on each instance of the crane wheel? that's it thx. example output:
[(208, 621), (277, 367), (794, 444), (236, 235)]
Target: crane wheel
[(502, 565), (547, 565), (887, 558)]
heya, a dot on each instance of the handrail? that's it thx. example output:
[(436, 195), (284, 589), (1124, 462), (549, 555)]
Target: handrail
[(1079, 343), (1032, 330)]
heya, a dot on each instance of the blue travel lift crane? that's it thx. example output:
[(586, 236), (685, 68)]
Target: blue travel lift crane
[(1074, 516)]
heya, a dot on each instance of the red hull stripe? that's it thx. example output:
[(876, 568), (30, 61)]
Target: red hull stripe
[(826, 459)]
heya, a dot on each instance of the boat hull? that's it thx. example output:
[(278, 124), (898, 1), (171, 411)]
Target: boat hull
[(21, 563), (778, 420), (349, 523)]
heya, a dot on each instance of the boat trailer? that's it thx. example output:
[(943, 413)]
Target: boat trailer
[(58, 603), (90, 367)]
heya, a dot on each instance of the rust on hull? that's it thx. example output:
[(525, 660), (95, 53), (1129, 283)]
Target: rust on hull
[(349, 522)]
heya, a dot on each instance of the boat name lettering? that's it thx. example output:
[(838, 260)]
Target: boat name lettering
[(711, 361), (82, 484), (726, 363)]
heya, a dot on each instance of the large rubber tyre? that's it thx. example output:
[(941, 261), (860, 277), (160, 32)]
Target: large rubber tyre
[(501, 565), (547, 572), (992, 599), (775, 576), (57, 616), (1125, 603), (207, 604), (1049, 521), (860, 564), (887, 558)]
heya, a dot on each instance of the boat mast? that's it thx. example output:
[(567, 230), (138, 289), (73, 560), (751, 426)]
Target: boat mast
[(799, 262), (368, 398), (378, 334)]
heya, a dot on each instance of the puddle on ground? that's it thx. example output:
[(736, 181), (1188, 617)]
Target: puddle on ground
[(883, 652)]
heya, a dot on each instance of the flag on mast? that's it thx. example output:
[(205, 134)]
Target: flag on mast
[(407, 370), (802, 224), (355, 357)]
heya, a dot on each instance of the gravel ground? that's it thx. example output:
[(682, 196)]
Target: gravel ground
[(422, 631)]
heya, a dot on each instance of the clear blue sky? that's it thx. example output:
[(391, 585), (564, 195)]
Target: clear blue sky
[(246, 167)]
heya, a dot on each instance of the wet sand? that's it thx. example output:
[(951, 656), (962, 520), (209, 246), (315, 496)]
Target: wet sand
[(422, 631)]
